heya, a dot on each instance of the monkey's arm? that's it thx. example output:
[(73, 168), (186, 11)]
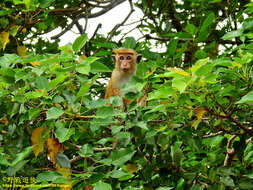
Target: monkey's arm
[(111, 91)]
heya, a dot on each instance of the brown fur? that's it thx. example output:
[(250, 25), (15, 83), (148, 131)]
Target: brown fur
[(122, 73)]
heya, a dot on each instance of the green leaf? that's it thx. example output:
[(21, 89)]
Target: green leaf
[(59, 79), (84, 89), (99, 67), (102, 186), (205, 28), (228, 181), (121, 175), (83, 68), (3, 160), (205, 70), (54, 113), (109, 45), (191, 29), (63, 134), (34, 95), (180, 184), (247, 99), (142, 125), (46, 3), (232, 34), (199, 64), (8, 59), (21, 156), (172, 47), (249, 157), (27, 3), (249, 175), (197, 187), (245, 184), (13, 30), (200, 54), (16, 2), (121, 156), (129, 43), (48, 176), (6, 12), (179, 84), (156, 109), (165, 188), (86, 150), (34, 112), (42, 83), (163, 92), (105, 112), (79, 42), (248, 24), (8, 75), (63, 160)]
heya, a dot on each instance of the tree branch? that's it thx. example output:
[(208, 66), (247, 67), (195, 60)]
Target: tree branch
[(229, 117), (230, 151), (77, 13), (65, 30), (96, 30), (213, 134), (122, 23)]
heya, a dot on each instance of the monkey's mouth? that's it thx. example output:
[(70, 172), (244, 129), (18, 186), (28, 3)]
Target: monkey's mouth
[(125, 69)]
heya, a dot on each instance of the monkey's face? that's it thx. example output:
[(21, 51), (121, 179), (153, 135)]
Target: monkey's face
[(126, 62)]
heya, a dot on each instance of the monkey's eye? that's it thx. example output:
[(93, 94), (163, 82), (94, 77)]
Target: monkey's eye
[(129, 58), (121, 58)]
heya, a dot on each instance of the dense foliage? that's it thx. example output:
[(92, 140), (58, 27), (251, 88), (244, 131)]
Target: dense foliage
[(58, 132)]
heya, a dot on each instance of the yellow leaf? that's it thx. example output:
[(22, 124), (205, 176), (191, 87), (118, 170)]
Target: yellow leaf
[(37, 141), (64, 171), (235, 64), (53, 148), (35, 63), (199, 112), (21, 51), (179, 71), (4, 38), (131, 168), (4, 120), (196, 123), (57, 105), (4, 132), (24, 30), (82, 58)]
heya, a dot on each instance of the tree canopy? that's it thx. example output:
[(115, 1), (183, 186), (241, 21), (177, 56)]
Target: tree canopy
[(58, 132)]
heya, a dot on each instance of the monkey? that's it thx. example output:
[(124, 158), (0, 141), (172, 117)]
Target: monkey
[(126, 61)]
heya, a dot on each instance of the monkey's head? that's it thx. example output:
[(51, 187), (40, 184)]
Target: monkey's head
[(126, 60)]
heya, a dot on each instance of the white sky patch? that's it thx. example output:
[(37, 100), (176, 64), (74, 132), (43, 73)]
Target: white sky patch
[(108, 21)]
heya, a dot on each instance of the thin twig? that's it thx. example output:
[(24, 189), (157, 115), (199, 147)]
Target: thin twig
[(77, 14), (229, 117), (96, 30), (65, 30), (116, 27), (213, 134)]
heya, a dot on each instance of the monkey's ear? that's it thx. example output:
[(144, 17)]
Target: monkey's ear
[(114, 58), (139, 56)]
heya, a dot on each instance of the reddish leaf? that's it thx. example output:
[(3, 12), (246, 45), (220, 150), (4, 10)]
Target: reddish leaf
[(53, 148)]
